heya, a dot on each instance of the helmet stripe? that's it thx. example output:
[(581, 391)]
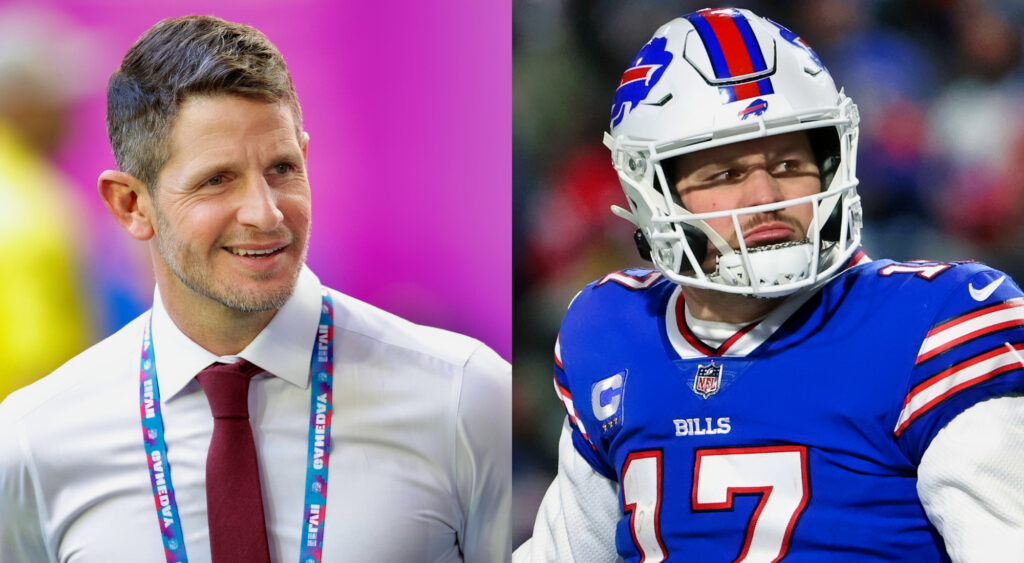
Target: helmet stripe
[(711, 44), (732, 49), (750, 42)]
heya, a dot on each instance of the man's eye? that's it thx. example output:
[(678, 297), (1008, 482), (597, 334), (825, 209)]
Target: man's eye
[(790, 166), (215, 181), (283, 168), (726, 175)]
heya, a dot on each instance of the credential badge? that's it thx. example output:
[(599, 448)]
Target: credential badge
[(708, 380)]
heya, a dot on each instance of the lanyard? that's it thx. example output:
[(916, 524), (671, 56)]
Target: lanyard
[(319, 451)]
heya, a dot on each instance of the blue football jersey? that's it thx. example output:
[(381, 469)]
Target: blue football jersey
[(798, 439)]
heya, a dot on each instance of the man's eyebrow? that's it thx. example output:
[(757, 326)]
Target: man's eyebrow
[(716, 163), (210, 167), (286, 155), (286, 150)]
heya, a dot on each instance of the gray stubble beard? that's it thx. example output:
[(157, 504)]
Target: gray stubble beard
[(202, 283)]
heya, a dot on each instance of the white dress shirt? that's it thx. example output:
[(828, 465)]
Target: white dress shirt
[(420, 467)]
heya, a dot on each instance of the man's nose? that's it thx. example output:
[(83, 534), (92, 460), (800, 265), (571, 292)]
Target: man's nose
[(258, 205), (761, 188)]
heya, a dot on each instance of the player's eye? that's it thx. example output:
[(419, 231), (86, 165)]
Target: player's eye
[(790, 166), (216, 180), (728, 175)]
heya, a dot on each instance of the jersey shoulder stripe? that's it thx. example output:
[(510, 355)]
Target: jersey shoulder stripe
[(970, 325), (565, 396), (968, 350), (558, 352), (631, 279), (976, 370)]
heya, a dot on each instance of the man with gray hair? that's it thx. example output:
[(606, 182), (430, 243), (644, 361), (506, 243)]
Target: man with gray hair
[(211, 426)]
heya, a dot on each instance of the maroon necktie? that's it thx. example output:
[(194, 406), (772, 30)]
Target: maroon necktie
[(234, 501)]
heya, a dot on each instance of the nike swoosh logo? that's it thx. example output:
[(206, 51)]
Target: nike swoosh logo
[(985, 292)]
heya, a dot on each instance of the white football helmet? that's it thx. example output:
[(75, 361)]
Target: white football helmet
[(721, 76)]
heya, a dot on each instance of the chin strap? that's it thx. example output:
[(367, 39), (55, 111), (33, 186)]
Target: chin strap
[(773, 265)]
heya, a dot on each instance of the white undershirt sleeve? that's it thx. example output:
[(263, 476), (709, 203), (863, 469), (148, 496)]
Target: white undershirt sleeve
[(577, 518), (483, 458), (971, 482)]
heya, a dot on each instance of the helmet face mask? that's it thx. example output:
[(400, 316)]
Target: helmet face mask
[(714, 78)]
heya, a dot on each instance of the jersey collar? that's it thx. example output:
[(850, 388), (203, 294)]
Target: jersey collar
[(746, 339)]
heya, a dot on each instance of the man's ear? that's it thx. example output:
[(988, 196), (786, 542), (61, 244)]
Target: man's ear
[(128, 200), (304, 144)]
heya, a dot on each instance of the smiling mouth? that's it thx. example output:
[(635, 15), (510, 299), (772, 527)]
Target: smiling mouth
[(254, 253)]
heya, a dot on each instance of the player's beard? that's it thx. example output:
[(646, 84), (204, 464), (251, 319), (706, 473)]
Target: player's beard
[(196, 274)]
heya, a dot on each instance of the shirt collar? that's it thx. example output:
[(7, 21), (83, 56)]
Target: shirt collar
[(283, 348)]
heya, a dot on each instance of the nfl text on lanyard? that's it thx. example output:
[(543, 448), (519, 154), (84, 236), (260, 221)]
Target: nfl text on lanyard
[(322, 374)]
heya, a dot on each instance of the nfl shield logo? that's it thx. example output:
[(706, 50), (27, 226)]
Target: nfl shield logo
[(708, 380)]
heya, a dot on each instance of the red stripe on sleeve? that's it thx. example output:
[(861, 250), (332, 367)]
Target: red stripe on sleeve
[(1014, 302)]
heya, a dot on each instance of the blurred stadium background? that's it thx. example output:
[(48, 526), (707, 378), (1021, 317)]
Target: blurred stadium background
[(940, 88), (407, 105)]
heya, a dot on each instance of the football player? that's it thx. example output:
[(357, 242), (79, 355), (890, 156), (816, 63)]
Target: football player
[(768, 392)]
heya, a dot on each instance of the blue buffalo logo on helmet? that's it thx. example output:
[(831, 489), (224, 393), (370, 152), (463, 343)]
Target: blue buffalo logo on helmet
[(756, 107), (641, 77), (798, 42)]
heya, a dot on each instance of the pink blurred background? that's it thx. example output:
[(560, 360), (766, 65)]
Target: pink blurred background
[(408, 108)]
